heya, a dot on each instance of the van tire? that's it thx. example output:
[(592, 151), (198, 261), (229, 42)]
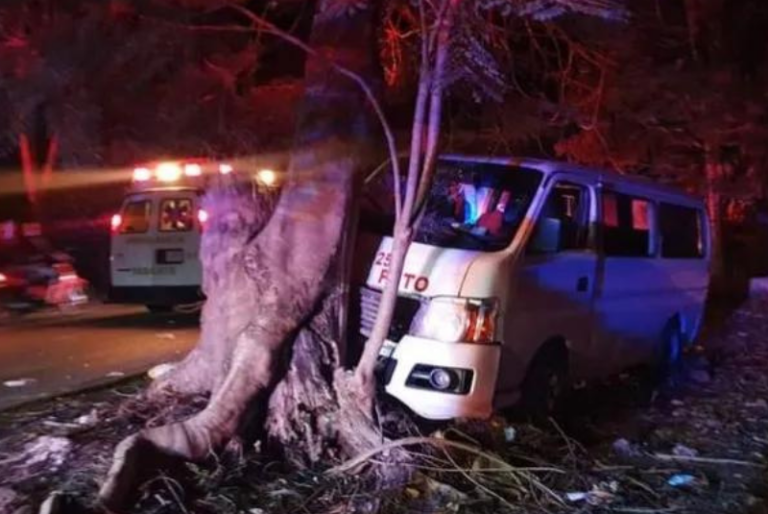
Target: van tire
[(545, 382), (668, 361), (159, 309)]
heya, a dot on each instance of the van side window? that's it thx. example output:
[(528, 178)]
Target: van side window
[(626, 226), (176, 215), (136, 215), (681, 234), (563, 223)]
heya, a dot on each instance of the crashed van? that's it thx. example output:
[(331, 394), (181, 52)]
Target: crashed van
[(525, 275)]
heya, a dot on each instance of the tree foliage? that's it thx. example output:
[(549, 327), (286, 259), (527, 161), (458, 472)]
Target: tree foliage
[(120, 85)]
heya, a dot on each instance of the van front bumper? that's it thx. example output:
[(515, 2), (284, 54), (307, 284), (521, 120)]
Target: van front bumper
[(413, 358)]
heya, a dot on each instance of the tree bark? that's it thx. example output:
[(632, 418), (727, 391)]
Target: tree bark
[(270, 330), (715, 207)]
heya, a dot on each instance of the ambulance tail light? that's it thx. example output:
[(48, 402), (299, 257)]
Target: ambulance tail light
[(142, 174), (202, 217), (115, 222), (3, 280), (457, 320)]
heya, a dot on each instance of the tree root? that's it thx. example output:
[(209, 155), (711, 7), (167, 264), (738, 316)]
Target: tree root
[(252, 371)]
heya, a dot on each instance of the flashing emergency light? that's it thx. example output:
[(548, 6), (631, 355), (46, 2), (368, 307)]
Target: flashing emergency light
[(202, 216), (193, 170), (267, 177), (116, 221), (225, 169), (142, 174), (168, 172), (3, 279)]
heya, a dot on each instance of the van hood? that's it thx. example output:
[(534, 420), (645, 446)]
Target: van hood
[(429, 270)]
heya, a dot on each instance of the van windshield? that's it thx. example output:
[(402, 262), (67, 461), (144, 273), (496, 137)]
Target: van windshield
[(472, 206)]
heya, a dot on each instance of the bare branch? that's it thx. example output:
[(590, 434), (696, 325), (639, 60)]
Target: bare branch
[(436, 101)]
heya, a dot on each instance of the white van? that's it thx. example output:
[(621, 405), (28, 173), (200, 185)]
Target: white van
[(526, 274)]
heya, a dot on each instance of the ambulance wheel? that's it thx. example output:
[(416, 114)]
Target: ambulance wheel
[(545, 383), (159, 309)]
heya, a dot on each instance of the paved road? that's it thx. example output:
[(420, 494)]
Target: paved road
[(54, 353)]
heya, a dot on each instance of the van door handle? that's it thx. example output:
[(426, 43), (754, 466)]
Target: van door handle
[(582, 284)]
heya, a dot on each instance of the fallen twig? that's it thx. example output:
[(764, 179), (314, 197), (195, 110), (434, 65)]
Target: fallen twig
[(413, 441), (477, 484), (442, 443), (642, 485), (644, 510), (705, 460)]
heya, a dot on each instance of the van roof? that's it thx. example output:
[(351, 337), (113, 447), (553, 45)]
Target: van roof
[(548, 167)]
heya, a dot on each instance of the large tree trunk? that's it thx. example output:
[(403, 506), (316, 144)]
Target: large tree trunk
[(270, 331)]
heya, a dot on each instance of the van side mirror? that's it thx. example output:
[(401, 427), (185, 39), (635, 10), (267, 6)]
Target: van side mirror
[(546, 236)]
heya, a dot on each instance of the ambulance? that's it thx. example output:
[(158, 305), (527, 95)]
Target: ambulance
[(526, 275), (155, 236)]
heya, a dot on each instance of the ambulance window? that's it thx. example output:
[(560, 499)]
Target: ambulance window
[(136, 217), (176, 215)]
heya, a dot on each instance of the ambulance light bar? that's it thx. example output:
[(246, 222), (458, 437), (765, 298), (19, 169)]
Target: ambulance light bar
[(168, 172), (174, 171), (193, 170)]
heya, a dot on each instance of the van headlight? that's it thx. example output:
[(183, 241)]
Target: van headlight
[(456, 320)]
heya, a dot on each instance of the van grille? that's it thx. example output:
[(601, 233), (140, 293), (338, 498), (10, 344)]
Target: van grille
[(405, 311)]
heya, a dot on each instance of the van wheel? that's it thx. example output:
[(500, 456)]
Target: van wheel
[(159, 309), (545, 383), (669, 355)]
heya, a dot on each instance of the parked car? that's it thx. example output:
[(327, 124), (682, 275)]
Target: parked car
[(35, 275)]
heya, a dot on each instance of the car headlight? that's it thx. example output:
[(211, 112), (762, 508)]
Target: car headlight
[(454, 320)]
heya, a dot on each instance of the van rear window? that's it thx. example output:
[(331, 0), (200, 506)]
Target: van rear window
[(176, 215), (681, 234), (136, 216)]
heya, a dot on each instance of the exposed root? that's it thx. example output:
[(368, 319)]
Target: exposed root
[(252, 371), (191, 376)]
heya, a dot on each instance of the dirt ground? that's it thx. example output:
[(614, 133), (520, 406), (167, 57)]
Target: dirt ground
[(701, 447)]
